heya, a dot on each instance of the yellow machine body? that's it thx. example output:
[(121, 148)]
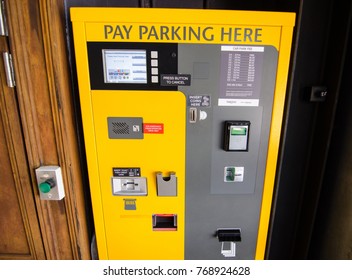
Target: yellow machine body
[(125, 225)]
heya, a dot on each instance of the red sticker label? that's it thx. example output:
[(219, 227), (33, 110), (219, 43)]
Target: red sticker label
[(153, 128)]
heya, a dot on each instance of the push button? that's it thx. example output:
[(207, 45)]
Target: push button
[(46, 186), (155, 79), (50, 182), (154, 54)]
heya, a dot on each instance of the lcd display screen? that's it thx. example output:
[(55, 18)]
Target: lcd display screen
[(125, 66)]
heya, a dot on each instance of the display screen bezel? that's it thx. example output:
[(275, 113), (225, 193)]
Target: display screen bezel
[(132, 69)]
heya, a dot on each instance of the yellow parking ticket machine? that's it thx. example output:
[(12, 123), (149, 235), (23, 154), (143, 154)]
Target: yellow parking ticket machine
[(181, 112)]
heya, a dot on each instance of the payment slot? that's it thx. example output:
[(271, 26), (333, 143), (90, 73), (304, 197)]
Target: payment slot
[(236, 135), (181, 118)]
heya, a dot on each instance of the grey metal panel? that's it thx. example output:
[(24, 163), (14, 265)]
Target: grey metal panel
[(210, 202), (221, 158)]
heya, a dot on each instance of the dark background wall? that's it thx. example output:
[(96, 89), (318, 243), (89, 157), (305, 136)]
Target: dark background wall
[(312, 209)]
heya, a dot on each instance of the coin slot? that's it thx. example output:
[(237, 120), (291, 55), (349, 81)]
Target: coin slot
[(192, 115)]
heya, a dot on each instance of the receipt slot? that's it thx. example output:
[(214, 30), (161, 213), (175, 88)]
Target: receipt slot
[(181, 113)]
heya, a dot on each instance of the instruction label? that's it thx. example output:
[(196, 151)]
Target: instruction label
[(126, 171), (175, 80), (153, 128), (199, 101)]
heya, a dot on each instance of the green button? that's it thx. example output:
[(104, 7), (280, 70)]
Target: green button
[(44, 187)]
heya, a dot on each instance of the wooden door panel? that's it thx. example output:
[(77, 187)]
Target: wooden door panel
[(37, 37), (13, 240), (20, 236)]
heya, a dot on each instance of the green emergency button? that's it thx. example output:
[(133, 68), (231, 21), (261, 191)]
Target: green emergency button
[(46, 186), (238, 131)]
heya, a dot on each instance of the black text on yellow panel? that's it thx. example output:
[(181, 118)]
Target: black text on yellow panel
[(181, 111)]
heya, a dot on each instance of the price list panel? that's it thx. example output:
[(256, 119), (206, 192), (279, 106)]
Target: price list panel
[(241, 71)]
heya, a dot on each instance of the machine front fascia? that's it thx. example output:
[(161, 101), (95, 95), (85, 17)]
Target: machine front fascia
[(181, 150)]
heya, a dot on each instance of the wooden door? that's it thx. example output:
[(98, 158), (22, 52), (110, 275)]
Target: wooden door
[(20, 236), (37, 127)]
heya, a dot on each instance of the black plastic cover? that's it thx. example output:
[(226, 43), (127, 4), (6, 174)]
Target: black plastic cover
[(229, 235)]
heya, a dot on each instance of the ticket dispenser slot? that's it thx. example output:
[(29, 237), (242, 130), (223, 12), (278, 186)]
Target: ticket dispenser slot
[(228, 238), (164, 222)]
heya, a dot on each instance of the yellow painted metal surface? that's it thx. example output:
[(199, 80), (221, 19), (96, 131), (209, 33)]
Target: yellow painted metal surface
[(215, 27), (163, 152)]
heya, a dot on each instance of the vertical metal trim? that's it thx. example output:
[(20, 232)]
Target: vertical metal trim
[(3, 23), (10, 77)]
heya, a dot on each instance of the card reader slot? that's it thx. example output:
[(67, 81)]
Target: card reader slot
[(129, 186)]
